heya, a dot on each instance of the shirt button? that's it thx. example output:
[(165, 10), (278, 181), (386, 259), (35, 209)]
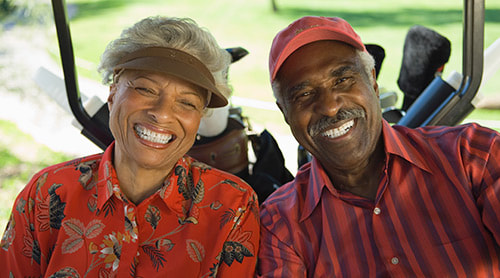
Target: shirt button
[(376, 211), (395, 260)]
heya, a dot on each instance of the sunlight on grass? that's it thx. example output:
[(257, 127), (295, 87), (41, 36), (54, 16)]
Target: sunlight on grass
[(20, 158), (253, 24)]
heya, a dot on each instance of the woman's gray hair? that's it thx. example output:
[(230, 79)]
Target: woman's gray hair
[(180, 33)]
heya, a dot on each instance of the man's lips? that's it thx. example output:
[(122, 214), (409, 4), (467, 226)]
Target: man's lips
[(152, 136), (338, 131)]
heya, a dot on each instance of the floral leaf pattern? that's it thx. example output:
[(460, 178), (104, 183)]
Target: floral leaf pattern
[(156, 256), (92, 203), (237, 247), (216, 205), (56, 208), (195, 250), (109, 207), (80, 208), (31, 248), (87, 170), (77, 232), (71, 245), (226, 217), (234, 251), (41, 181), (9, 234), (234, 184), (111, 250), (165, 244), (198, 192), (152, 216), (67, 272)]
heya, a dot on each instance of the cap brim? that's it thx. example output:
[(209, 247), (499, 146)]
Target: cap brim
[(172, 65), (312, 35)]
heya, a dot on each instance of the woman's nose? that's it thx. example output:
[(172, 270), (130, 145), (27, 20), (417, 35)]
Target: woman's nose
[(162, 109)]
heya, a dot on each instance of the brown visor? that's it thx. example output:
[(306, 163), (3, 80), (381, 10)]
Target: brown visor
[(177, 63)]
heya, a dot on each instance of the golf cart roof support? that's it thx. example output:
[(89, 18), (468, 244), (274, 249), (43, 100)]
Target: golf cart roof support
[(458, 105), (92, 129)]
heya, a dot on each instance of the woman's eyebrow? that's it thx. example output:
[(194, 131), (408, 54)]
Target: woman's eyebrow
[(144, 77)]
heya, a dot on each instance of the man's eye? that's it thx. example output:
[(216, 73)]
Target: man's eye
[(302, 95), (340, 80)]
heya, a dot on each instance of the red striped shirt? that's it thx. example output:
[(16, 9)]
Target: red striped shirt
[(436, 214)]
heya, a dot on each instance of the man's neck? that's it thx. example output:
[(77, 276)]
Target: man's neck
[(362, 180)]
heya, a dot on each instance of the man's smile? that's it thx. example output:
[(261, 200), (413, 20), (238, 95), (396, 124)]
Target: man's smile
[(339, 131)]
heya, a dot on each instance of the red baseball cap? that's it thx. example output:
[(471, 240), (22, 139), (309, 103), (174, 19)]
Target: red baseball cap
[(306, 30)]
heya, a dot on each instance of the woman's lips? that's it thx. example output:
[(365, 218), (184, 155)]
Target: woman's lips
[(152, 136)]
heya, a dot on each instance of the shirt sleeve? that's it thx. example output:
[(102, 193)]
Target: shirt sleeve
[(239, 254), (20, 251), (276, 258), (489, 199)]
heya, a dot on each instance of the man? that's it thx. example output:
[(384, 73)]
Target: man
[(376, 200)]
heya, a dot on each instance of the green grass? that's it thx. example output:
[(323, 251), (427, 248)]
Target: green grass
[(253, 24), (20, 157)]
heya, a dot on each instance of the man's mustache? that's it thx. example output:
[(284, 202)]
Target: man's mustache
[(343, 114)]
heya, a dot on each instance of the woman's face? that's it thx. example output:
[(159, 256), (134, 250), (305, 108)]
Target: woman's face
[(154, 118)]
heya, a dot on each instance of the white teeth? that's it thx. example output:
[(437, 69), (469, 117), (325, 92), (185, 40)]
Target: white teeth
[(341, 130), (152, 136)]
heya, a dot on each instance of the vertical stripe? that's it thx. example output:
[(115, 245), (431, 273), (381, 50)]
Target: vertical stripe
[(429, 219)]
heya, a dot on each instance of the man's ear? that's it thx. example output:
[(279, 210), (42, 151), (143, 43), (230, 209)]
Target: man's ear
[(111, 96), (282, 112), (375, 84)]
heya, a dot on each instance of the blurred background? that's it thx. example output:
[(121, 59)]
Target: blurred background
[(36, 132)]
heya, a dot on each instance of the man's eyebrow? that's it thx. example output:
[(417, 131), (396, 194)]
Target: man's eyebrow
[(297, 88), (342, 70)]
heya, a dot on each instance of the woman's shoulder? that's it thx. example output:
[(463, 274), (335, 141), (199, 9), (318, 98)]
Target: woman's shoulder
[(218, 182), (80, 170)]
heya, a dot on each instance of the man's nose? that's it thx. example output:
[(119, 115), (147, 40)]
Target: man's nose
[(328, 103)]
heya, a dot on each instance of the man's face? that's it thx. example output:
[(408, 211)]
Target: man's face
[(330, 103), (154, 118)]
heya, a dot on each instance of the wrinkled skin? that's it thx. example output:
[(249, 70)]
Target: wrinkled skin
[(157, 102), (313, 85)]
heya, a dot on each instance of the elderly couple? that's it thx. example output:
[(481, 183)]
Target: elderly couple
[(375, 201)]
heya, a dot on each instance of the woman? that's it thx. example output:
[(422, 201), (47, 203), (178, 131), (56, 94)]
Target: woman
[(142, 208)]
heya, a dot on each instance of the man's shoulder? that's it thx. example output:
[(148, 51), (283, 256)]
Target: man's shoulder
[(463, 130), (290, 196)]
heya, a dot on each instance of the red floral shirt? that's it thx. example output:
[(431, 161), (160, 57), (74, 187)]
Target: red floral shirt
[(72, 220)]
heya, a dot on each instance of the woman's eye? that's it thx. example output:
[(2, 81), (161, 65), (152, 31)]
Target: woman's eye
[(191, 105), (142, 90), (145, 90)]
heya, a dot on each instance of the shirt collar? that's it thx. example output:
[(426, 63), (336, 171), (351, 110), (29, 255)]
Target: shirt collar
[(397, 142), (182, 177), (313, 187)]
